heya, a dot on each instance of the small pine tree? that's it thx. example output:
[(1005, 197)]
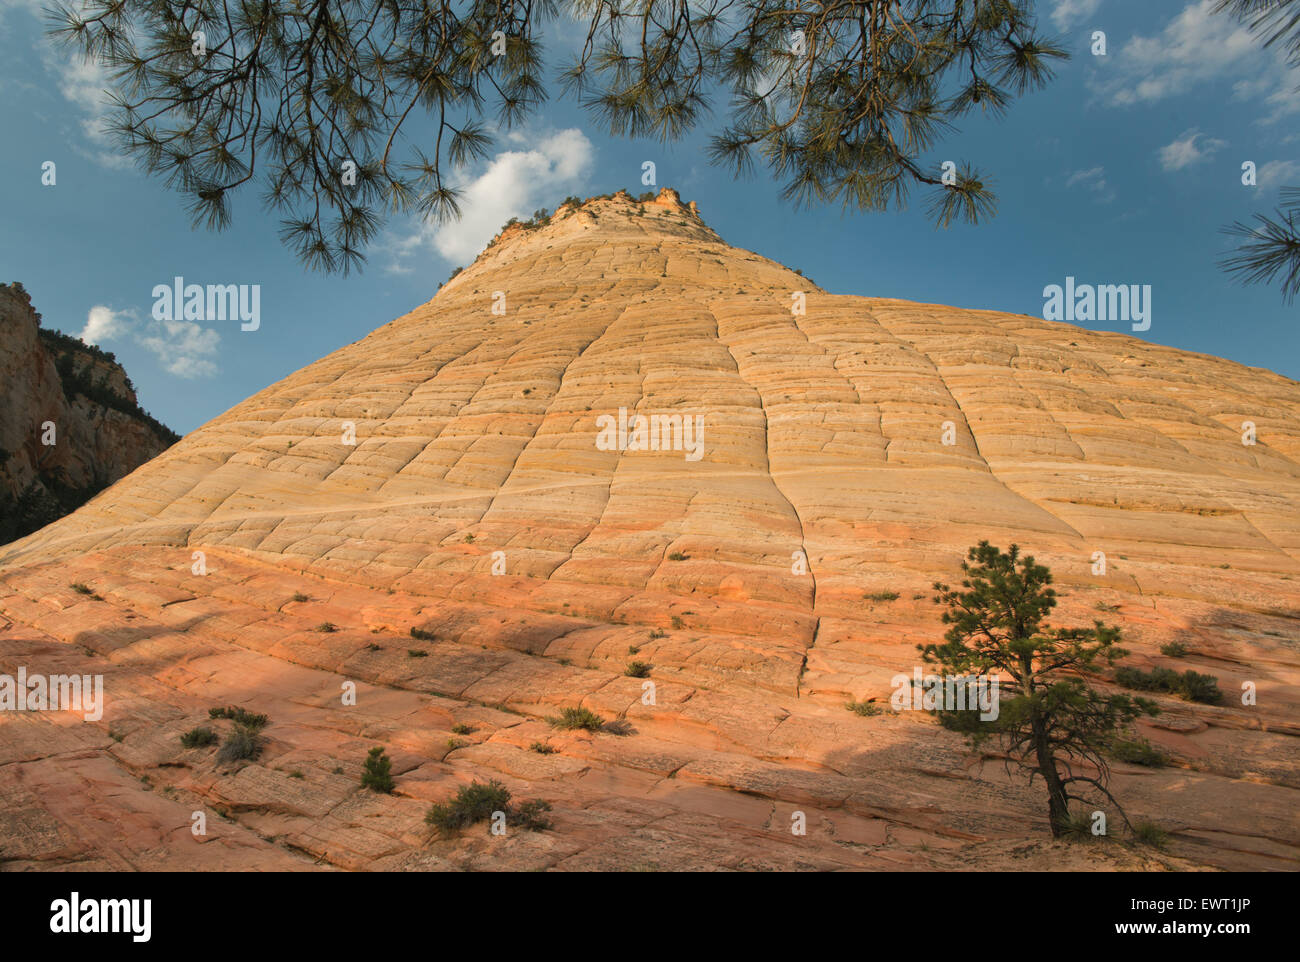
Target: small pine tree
[(1053, 725), (377, 773)]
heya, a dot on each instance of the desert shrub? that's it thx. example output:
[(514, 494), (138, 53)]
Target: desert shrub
[(419, 634), (199, 738), (541, 748), (254, 721), (416, 653), (864, 708), (376, 773), (80, 588), (1175, 649), (1201, 688), (300, 597), (571, 719), (474, 802), (677, 556), (1190, 685), (1138, 751), (459, 729), (1077, 827), (531, 815), (327, 627), (242, 744), (881, 596), (1149, 833), (1157, 679), (637, 669)]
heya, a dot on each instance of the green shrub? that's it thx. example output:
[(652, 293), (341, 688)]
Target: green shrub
[(198, 738), (250, 720), (377, 774), (864, 708), (1077, 827), (1201, 688), (459, 729), (477, 802), (242, 744), (881, 596), (1175, 649), (327, 627), (300, 597), (637, 669), (1138, 751), (474, 802), (80, 588), (419, 634), (575, 718), (677, 556), (542, 748)]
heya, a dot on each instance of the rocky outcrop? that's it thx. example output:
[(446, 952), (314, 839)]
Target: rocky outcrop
[(70, 424), (494, 548)]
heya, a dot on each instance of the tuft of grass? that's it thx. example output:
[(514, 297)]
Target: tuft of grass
[(200, 737), (416, 653), (1138, 751), (633, 649), (572, 719), (677, 556), (1149, 833), (542, 748), (468, 539), (459, 729), (637, 669), (80, 588), (1175, 649), (300, 597), (253, 721), (373, 647), (657, 633), (377, 772), (866, 709), (296, 774), (881, 596), (1078, 827), (326, 627), (419, 634), (678, 624)]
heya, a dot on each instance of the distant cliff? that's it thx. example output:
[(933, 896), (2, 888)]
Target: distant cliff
[(55, 388)]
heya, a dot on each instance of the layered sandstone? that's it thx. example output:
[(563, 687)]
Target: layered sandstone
[(477, 508)]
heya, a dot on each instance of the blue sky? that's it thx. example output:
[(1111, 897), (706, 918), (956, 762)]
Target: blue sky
[(1121, 172)]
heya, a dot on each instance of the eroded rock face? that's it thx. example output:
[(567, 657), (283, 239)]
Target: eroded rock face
[(479, 508), (53, 388)]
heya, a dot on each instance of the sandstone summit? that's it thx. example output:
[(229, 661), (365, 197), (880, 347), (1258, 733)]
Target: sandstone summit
[(476, 562)]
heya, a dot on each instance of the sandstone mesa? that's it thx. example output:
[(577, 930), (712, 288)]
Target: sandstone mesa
[(476, 450)]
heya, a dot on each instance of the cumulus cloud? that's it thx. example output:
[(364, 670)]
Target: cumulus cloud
[(1184, 150), (1198, 46), (183, 348), (105, 324), (536, 170), (1067, 13)]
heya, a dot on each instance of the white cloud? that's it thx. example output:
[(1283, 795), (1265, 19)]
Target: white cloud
[(514, 184), (1093, 179), (183, 348), (104, 324), (1198, 46), (1184, 151), (1277, 173), (1067, 13)]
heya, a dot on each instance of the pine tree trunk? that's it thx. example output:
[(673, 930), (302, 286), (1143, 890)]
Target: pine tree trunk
[(1058, 809)]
